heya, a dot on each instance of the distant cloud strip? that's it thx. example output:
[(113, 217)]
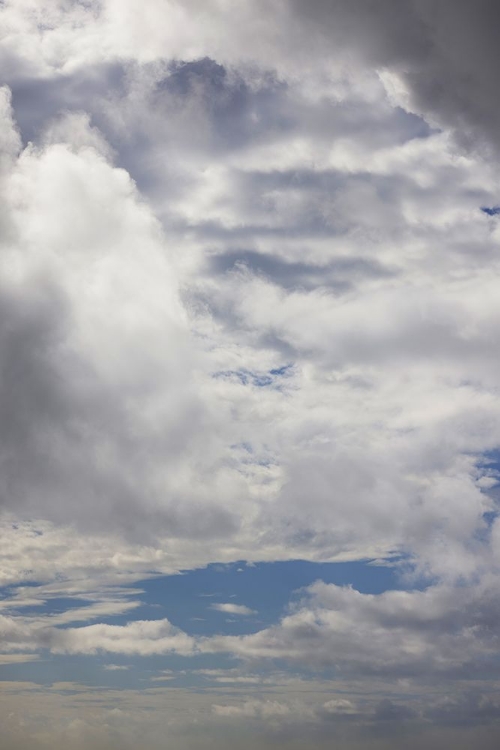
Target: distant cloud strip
[(233, 609)]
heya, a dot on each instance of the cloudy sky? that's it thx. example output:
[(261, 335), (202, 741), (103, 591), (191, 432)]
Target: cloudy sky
[(249, 374)]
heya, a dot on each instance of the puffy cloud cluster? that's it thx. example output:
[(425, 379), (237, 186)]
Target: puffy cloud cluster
[(403, 634), (304, 324), (422, 635), (249, 310)]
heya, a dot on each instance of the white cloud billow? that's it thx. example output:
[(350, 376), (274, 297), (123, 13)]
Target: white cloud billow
[(249, 311)]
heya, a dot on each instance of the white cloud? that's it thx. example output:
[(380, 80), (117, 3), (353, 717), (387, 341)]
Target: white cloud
[(419, 634), (233, 609), (362, 261), (339, 706), (143, 637), (249, 311)]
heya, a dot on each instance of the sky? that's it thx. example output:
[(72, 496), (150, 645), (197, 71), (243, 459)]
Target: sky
[(249, 374)]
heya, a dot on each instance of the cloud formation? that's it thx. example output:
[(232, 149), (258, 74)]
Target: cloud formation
[(249, 312), (233, 609)]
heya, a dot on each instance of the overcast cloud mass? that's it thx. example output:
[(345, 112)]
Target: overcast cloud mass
[(249, 374)]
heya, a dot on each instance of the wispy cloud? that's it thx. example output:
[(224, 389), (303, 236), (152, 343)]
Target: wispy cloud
[(233, 609)]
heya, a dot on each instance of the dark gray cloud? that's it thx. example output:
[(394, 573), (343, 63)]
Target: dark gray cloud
[(447, 53), (472, 708)]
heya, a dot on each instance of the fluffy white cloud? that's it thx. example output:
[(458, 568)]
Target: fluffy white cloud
[(249, 310), (424, 635), (136, 388), (139, 637), (299, 361)]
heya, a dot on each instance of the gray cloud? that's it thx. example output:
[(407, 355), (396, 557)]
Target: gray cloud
[(336, 275), (447, 54), (37, 102)]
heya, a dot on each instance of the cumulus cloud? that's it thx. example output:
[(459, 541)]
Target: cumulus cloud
[(134, 386), (425, 635), (313, 316), (249, 311), (138, 637), (91, 320)]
